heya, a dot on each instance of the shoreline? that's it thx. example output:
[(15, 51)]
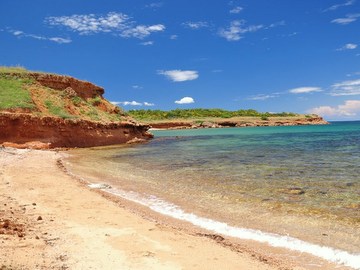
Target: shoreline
[(66, 225), (204, 245), (180, 214)]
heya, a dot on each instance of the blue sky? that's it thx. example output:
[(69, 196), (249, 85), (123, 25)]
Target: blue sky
[(299, 56)]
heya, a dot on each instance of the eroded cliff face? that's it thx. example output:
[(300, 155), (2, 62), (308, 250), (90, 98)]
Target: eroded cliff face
[(67, 113), (56, 132), (83, 89)]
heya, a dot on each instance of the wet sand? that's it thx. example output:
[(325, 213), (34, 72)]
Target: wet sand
[(51, 220)]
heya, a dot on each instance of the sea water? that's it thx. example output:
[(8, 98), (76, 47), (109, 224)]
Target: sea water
[(292, 187)]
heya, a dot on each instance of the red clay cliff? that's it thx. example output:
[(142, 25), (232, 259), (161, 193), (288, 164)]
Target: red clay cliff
[(90, 121)]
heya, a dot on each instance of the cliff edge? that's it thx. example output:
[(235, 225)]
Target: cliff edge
[(42, 110)]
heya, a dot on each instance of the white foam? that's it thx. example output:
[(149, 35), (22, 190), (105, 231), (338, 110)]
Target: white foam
[(330, 254), (99, 186)]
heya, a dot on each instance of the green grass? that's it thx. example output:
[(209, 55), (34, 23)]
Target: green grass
[(13, 94), (95, 101), (57, 110)]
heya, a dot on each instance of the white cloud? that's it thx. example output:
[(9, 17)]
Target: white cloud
[(196, 25), (304, 90), (147, 43), (348, 19), (180, 75), (142, 31), (335, 7), (236, 10), (185, 100), (112, 22), (349, 46), (17, 33), (236, 29), (262, 97), (346, 88), (357, 73), (58, 40), (91, 23), (132, 103), (173, 37), (135, 86), (276, 24), (349, 108), (155, 5)]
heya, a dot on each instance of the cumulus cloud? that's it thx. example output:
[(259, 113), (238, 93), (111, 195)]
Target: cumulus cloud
[(346, 88), (236, 29), (195, 25), (132, 103), (349, 108), (236, 10), (348, 19), (305, 90), (142, 31), (185, 100), (335, 7), (180, 75), (113, 22), (349, 46), (173, 37), (58, 40)]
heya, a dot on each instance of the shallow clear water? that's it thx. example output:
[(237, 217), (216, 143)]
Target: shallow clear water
[(276, 179)]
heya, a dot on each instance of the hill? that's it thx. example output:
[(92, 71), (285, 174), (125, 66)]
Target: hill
[(60, 111)]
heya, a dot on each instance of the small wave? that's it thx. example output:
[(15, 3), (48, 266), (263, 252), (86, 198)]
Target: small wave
[(330, 254), (99, 186)]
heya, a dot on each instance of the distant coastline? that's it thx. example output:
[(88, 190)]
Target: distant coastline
[(220, 118), (236, 122)]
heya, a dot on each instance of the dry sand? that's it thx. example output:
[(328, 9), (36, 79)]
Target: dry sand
[(49, 220)]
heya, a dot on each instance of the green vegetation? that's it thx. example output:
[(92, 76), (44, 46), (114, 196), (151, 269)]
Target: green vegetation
[(77, 101), (95, 101), (19, 90), (57, 110), (93, 114), (149, 115), (13, 94)]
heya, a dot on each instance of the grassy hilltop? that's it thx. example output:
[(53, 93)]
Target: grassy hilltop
[(32, 92)]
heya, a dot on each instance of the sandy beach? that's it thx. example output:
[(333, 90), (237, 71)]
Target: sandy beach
[(49, 220)]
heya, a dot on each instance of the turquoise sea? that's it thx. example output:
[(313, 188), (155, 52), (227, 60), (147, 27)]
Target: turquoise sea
[(293, 187)]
